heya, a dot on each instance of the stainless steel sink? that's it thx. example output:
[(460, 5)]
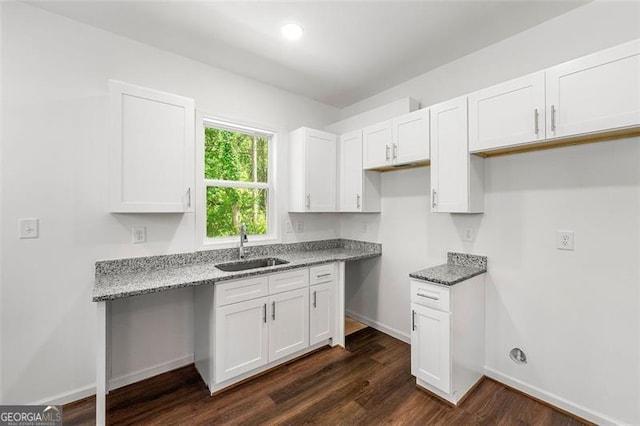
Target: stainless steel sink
[(243, 265)]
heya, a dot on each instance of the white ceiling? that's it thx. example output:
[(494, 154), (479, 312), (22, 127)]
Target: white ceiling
[(349, 50)]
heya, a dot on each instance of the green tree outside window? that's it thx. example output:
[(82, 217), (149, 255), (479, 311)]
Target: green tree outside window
[(233, 159)]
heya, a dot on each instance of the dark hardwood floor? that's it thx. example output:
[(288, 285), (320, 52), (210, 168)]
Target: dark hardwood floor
[(367, 384)]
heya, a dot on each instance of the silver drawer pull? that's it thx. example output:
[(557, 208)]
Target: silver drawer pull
[(323, 275), (428, 297)]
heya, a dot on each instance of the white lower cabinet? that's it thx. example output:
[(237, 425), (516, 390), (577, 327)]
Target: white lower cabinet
[(321, 296), (246, 326), (447, 336), (430, 347), (321, 313), (241, 337), (289, 323)]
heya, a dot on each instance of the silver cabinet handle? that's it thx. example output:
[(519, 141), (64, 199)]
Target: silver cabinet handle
[(413, 320), (433, 198), (428, 297), (323, 275), (308, 201), (387, 153), (553, 118), (535, 119), (315, 301), (358, 200), (188, 197), (395, 151), (273, 310), (264, 313)]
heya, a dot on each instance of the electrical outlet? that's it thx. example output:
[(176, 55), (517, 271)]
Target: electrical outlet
[(467, 234), (138, 234), (288, 227), (299, 226), (564, 240), (29, 228)]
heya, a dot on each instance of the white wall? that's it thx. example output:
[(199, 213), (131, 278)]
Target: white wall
[(576, 314), (54, 168), (584, 30)]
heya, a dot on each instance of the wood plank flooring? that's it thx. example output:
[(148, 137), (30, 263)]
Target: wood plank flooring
[(351, 326), (367, 384)]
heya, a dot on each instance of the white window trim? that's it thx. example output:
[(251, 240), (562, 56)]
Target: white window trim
[(202, 241)]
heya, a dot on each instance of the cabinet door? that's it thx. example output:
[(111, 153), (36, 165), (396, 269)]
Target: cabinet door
[(411, 137), (320, 171), (289, 325), (351, 172), (321, 313), (431, 346), (507, 114), (594, 93), (376, 145), (241, 342), (151, 151), (449, 157)]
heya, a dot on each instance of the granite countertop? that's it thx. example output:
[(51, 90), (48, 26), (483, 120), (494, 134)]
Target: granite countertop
[(459, 267), (116, 279)]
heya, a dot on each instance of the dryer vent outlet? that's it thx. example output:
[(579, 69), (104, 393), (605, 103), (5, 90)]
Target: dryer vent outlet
[(518, 356)]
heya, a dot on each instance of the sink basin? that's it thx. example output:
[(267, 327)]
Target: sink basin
[(244, 265)]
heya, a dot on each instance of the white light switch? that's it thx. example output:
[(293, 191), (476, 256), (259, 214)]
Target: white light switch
[(29, 227)]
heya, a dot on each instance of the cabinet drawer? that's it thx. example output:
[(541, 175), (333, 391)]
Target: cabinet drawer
[(241, 290), (290, 280), (321, 274), (431, 295)]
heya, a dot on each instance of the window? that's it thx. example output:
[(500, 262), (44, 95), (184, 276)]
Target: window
[(237, 180)]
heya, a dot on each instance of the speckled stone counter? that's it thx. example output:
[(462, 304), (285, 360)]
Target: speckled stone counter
[(459, 267), (116, 279)]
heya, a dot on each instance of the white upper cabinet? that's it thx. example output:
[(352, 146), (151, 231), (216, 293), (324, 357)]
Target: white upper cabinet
[(595, 93), (403, 140), (359, 190), (456, 176), (312, 171), (507, 114), (411, 137), (151, 151), (376, 145)]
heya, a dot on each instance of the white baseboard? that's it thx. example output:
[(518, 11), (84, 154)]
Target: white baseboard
[(67, 397), (550, 398), (136, 376), (380, 327), (115, 383)]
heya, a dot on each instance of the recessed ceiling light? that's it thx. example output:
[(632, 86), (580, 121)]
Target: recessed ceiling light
[(291, 31)]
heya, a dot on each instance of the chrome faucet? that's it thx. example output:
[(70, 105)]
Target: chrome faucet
[(243, 239)]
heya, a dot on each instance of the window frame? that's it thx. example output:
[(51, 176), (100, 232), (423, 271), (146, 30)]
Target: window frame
[(203, 242)]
